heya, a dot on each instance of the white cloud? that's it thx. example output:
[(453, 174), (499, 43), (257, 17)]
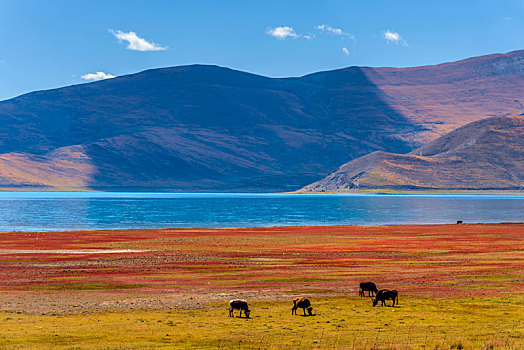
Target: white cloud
[(345, 51), (97, 76), (391, 36), (394, 37), (282, 33), (136, 43), (335, 31)]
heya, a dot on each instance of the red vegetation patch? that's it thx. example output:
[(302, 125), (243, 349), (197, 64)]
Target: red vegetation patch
[(435, 260)]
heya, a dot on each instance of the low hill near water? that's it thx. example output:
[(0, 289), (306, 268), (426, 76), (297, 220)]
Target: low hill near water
[(207, 128), (486, 154)]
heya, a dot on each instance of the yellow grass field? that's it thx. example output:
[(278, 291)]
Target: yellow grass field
[(339, 322)]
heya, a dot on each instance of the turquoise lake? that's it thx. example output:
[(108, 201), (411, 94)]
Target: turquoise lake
[(44, 211)]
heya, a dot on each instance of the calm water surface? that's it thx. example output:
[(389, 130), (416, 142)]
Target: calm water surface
[(43, 211)]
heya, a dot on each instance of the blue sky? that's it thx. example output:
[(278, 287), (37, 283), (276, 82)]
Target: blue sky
[(47, 44)]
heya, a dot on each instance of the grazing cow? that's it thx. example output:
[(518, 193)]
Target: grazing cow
[(385, 294), (239, 304), (303, 303), (367, 286)]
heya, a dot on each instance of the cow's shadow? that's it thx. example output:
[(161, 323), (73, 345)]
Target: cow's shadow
[(395, 306)]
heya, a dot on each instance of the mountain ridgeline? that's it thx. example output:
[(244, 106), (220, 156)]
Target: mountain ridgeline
[(207, 128)]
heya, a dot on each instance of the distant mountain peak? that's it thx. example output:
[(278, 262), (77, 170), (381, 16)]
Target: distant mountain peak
[(483, 155)]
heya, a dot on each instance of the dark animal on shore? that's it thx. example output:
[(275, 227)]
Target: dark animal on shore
[(303, 303), (239, 304), (385, 294), (367, 286)]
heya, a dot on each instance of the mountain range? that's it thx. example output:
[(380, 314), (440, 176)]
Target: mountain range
[(208, 128)]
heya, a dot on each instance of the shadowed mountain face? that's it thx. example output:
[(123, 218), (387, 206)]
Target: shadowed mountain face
[(486, 155), (206, 128)]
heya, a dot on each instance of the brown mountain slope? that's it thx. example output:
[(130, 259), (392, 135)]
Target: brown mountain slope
[(482, 155), (443, 97), (67, 168)]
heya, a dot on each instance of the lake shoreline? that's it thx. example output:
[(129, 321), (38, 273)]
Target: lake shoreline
[(355, 192), (297, 227)]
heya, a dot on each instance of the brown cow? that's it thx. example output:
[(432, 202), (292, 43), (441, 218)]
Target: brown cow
[(367, 286), (239, 304), (303, 303)]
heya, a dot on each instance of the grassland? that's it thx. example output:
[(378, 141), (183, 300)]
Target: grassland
[(460, 287)]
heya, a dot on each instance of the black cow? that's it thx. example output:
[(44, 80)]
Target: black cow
[(385, 294), (367, 286), (303, 303), (239, 304)]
